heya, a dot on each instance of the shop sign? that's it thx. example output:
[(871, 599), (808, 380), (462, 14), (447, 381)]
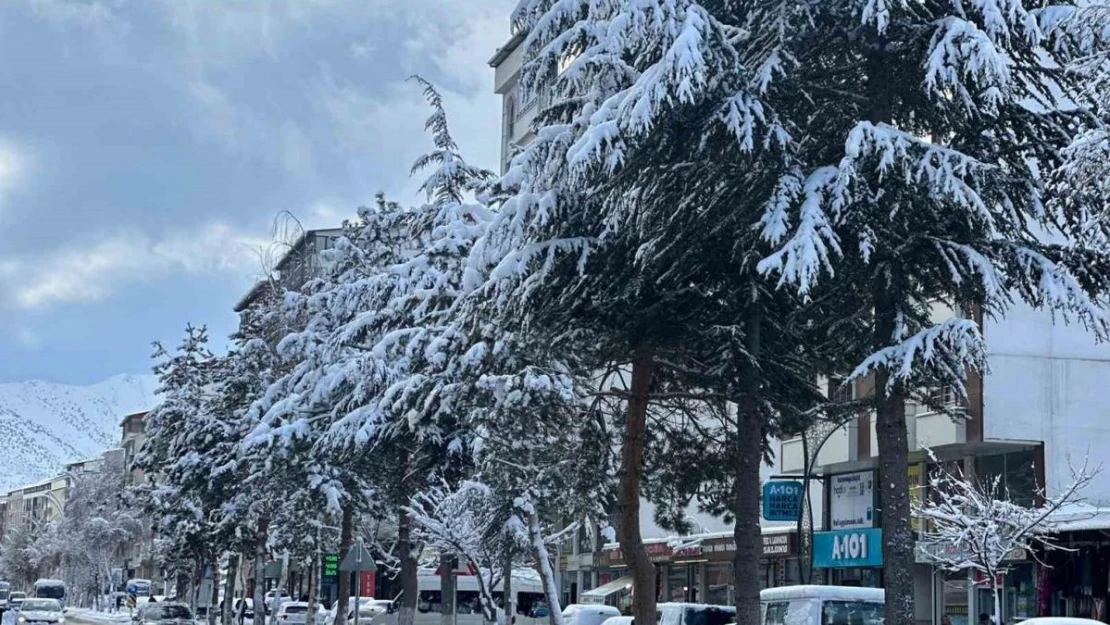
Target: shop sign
[(782, 501), (852, 500), (777, 545), (848, 548)]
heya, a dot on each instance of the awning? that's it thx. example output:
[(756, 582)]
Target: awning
[(1079, 517), (599, 594)]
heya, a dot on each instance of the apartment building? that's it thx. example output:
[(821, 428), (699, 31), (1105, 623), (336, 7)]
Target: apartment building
[(300, 263)]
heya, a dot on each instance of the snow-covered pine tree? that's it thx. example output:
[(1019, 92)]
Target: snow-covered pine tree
[(626, 232), (173, 456), (924, 138)]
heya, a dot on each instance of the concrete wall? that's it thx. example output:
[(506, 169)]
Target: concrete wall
[(1050, 382)]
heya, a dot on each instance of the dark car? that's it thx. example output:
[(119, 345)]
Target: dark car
[(164, 614)]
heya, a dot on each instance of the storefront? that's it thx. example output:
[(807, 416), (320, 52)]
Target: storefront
[(702, 571)]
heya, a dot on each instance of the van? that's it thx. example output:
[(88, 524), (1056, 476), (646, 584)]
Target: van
[(821, 605)]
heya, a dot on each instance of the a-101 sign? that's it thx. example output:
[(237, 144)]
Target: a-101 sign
[(782, 500)]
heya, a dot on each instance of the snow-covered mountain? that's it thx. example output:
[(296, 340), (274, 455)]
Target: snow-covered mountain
[(44, 425)]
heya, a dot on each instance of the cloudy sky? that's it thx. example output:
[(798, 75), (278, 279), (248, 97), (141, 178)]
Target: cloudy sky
[(147, 147)]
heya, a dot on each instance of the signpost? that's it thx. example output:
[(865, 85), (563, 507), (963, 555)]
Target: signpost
[(782, 501), (357, 560)]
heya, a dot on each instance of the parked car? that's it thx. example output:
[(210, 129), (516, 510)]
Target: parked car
[(15, 598), (273, 595), (40, 611), (164, 614), (696, 614), (1059, 620), (619, 620), (292, 613), (582, 614), (822, 605)]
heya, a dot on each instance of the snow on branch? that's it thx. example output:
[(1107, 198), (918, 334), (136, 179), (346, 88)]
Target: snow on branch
[(947, 350)]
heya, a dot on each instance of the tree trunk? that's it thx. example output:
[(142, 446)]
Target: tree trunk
[(894, 486), (509, 611), (747, 457), (227, 614), (628, 497), (214, 599), (283, 581), (447, 589), (314, 566), (260, 572), (409, 589), (543, 561), (343, 590)]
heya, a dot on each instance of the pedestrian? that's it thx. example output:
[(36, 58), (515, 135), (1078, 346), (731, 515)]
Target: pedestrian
[(984, 619), (153, 600)]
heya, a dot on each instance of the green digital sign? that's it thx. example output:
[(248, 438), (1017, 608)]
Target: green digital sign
[(331, 565)]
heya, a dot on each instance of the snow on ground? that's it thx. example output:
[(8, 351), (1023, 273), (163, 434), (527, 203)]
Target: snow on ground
[(44, 425), (92, 616)]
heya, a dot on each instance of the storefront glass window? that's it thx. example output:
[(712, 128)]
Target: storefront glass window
[(678, 582), (956, 597), (1021, 591), (719, 583)]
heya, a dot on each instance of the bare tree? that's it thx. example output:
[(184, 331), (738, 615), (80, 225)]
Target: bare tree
[(974, 524)]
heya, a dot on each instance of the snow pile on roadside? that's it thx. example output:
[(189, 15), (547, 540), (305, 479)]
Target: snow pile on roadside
[(93, 616)]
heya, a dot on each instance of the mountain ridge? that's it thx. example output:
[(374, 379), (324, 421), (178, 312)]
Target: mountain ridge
[(44, 425)]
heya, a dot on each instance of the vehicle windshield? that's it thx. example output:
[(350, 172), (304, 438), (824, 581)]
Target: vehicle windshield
[(18, 595), (710, 616), (851, 613), (161, 612), (41, 605), (295, 609)]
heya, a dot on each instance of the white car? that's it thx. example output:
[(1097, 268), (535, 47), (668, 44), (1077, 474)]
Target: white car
[(40, 611), (1059, 620), (292, 613)]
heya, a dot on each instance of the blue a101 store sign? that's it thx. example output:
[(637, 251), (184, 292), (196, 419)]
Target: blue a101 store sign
[(782, 501), (848, 548)]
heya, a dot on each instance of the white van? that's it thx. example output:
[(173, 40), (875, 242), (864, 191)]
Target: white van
[(821, 605), (531, 603)]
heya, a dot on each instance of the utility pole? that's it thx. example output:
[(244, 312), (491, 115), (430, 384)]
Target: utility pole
[(358, 579)]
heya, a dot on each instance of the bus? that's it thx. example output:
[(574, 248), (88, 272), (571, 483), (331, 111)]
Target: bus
[(51, 589)]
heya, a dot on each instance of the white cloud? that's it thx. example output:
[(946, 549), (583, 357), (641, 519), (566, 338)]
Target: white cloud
[(96, 271), (85, 14), (12, 169)]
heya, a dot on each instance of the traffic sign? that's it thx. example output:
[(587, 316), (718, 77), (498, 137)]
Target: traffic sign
[(358, 558)]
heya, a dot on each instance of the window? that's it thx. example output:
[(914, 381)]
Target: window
[(532, 604), (468, 602), (851, 613), (429, 601), (722, 615), (776, 614)]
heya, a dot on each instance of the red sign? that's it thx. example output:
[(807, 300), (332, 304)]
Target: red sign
[(366, 584)]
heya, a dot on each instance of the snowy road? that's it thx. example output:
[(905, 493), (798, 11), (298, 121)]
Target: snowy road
[(90, 617)]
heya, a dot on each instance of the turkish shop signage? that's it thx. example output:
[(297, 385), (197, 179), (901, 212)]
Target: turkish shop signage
[(852, 500), (782, 501), (331, 565), (848, 549)]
